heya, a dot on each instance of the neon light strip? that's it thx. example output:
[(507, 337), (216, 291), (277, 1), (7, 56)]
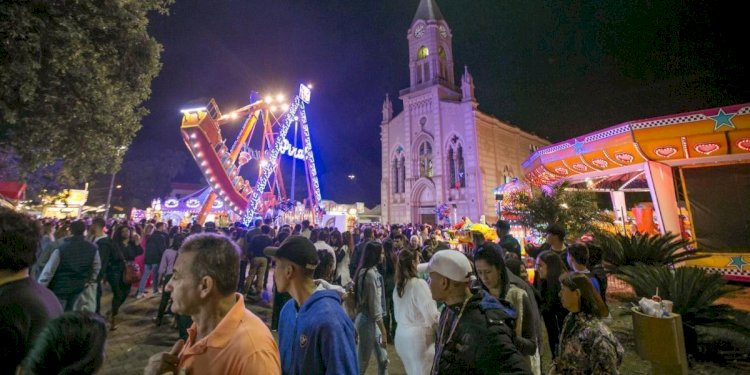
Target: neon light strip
[(260, 185), (309, 154)]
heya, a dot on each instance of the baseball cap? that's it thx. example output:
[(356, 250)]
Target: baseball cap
[(452, 264), (502, 224), (297, 249)]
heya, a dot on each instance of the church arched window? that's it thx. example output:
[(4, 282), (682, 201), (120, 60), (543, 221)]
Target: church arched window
[(422, 52), (402, 170), (460, 164), (425, 159), (396, 175), (451, 168)]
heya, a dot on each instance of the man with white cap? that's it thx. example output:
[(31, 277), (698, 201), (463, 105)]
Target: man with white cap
[(473, 336)]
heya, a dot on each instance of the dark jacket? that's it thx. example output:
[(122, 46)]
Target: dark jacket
[(318, 337), (257, 245), (482, 342), (155, 246), (105, 252), (74, 270)]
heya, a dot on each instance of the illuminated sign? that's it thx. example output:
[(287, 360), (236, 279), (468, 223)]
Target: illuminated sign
[(193, 203), (170, 203), (304, 93)]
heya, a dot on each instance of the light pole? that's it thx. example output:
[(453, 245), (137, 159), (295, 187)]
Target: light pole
[(112, 185)]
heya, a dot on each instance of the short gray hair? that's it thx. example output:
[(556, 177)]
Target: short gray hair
[(216, 256)]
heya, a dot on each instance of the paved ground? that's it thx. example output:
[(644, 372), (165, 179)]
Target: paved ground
[(137, 337)]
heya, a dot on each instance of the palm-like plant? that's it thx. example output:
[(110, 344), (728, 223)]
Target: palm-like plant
[(693, 292), (620, 250)]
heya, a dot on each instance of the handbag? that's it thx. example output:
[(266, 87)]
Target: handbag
[(132, 274)]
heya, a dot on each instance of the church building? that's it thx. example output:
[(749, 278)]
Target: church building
[(441, 149)]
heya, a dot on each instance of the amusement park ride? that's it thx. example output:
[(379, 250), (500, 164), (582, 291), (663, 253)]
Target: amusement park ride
[(221, 164)]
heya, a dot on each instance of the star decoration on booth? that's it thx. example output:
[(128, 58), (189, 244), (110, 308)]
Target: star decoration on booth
[(737, 261), (723, 119), (578, 146)]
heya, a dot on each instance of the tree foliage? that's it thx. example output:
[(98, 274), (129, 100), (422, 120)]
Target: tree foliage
[(658, 250), (149, 176), (73, 78), (575, 209)]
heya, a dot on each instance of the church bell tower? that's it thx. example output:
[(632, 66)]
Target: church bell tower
[(430, 48)]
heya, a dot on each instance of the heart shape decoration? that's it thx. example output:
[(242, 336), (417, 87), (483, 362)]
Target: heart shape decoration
[(601, 163), (666, 151), (580, 167), (562, 171), (706, 148), (624, 157), (743, 143)]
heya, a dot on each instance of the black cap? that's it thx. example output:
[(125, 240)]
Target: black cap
[(297, 249), (502, 224)]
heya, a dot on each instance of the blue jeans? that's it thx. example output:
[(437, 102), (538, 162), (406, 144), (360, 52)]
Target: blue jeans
[(369, 338), (154, 280)]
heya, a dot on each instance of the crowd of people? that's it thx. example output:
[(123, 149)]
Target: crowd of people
[(339, 299)]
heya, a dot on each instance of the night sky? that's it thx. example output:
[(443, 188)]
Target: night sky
[(555, 68)]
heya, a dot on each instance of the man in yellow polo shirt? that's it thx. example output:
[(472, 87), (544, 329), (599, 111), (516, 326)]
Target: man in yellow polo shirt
[(225, 338)]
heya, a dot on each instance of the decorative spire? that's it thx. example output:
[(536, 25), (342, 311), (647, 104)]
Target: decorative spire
[(387, 109), (467, 86), (428, 10)]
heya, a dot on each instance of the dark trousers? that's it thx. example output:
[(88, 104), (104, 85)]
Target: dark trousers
[(165, 296), (243, 272), (120, 290), (98, 297), (390, 319)]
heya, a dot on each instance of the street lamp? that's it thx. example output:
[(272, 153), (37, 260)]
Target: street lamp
[(112, 185)]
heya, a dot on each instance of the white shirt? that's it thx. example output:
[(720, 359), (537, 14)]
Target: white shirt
[(342, 268), (416, 307)]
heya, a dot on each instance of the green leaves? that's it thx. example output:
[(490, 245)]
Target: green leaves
[(575, 209), (692, 290), (73, 79), (620, 250)]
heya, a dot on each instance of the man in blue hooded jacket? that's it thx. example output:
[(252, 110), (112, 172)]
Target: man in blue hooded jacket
[(315, 334)]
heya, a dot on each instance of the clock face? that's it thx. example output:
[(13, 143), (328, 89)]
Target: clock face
[(443, 31), (419, 30)]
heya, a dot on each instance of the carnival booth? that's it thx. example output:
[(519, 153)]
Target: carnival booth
[(184, 210), (687, 173)]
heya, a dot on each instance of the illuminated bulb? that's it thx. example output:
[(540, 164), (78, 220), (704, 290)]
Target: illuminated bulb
[(233, 115), (203, 163), (296, 118), (273, 108), (199, 154), (280, 98), (263, 163), (196, 145), (268, 99), (193, 135), (285, 107), (309, 86)]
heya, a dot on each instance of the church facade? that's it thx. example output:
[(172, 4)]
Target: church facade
[(441, 149)]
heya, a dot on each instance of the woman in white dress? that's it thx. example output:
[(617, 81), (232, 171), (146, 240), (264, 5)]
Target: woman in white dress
[(416, 314)]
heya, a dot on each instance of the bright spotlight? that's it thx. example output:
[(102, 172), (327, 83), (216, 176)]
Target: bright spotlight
[(285, 107), (280, 98), (268, 99), (263, 163), (274, 108)]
